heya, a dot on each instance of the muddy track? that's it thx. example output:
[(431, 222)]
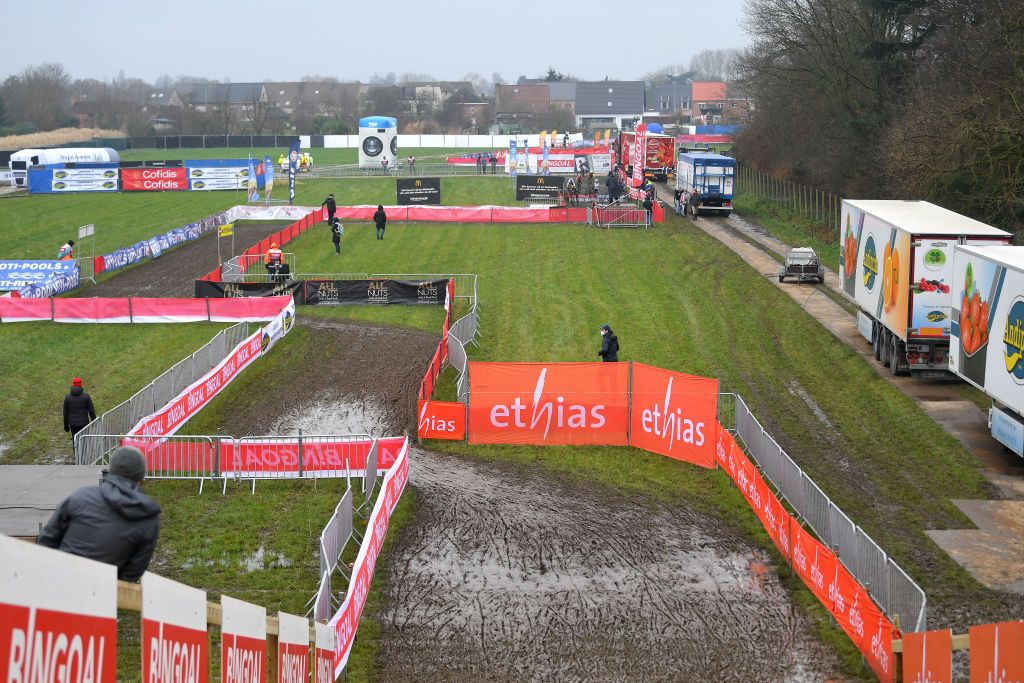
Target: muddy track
[(507, 573), (173, 274)]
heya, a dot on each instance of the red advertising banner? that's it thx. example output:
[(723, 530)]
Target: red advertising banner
[(928, 656), (168, 419), (175, 646), (323, 655), (292, 648), (639, 154), (442, 420), (549, 404), (674, 414), (996, 653), (346, 620), (58, 616), (153, 179), (243, 640), (257, 457)]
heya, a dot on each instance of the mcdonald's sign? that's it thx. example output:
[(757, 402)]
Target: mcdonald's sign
[(418, 191)]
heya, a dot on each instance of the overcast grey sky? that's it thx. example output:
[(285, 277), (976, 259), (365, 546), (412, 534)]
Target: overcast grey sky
[(257, 39)]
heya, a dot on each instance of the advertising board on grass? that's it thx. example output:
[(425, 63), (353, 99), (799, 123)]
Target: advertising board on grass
[(175, 646), (538, 187), (415, 191)]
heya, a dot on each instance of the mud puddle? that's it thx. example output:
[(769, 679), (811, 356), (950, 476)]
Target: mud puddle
[(509, 574), (332, 413)]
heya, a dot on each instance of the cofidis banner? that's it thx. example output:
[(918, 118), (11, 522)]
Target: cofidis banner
[(674, 414), (549, 403)]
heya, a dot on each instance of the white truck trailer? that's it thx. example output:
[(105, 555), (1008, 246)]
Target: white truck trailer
[(896, 263), (987, 341), (25, 159)]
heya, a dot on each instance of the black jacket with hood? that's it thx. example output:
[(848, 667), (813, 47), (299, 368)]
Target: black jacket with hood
[(380, 219), (78, 409), (609, 348), (113, 522)]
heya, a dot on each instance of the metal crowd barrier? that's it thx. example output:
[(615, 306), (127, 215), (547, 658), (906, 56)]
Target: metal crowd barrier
[(421, 169), (887, 583), (208, 457), (158, 393)]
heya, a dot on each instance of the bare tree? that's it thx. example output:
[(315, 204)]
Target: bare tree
[(39, 95), (715, 65)]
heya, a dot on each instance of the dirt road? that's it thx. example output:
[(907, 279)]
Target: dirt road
[(173, 274)]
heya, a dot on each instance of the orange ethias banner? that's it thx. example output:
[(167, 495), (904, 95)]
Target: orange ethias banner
[(996, 654), (674, 414), (549, 404), (928, 656), (441, 420)]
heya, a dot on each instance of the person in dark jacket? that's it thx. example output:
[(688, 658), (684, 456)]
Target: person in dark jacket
[(332, 208), (113, 522), (78, 409), (648, 206), (609, 352), (336, 232), (494, 164), (381, 219)]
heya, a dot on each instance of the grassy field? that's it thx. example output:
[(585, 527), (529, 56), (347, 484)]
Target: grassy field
[(321, 156), (35, 226), (39, 359)]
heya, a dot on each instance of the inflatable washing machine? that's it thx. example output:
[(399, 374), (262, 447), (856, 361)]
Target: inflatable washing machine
[(378, 138)]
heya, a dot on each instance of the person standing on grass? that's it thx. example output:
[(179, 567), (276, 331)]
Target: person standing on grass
[(412, 165), (384, 164), (113, 522), (332, 208), (494, 165), (336, 232), (609, 352), (78, 409), (67, 251), (381, 220)]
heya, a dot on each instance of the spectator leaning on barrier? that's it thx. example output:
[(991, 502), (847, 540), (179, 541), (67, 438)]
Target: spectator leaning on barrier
[(494, 165), (648, 207), (67, 251), (332, 208), (609, 352), (113, 522), (381, 220), (78, 409), (273, 260)]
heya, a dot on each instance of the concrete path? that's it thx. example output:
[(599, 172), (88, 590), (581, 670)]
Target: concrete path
[(30, 493), (999, 520)]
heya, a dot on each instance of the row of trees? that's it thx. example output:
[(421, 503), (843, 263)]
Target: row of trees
[(917, 99)]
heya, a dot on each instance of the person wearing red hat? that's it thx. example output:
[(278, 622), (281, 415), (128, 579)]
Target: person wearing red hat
[(78, 409)]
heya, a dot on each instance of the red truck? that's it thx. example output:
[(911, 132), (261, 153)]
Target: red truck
[(660, 154)]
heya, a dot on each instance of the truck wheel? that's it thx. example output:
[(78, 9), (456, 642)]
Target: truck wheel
[(894, 356), (876, 341), (886, 337)]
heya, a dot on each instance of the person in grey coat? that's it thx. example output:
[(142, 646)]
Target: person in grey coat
[(113, 522)]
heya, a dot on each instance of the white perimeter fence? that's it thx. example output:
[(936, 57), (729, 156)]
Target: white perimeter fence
[(406, 142), (121, 418), (891, 587)]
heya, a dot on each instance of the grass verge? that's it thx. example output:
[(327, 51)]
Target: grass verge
[(792, 228), (115, 361)]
